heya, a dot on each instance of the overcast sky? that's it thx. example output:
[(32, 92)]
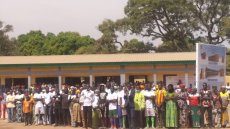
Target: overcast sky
[(81, 16)]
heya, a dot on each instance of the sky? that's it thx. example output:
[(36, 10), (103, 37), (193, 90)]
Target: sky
[(81, 16)]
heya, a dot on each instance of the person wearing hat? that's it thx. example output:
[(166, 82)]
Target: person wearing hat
[(74, 108), (139, 107), (225, 101), (206, 101)]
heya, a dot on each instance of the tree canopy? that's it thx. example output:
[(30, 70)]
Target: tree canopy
[(7, 45), (64, 43)]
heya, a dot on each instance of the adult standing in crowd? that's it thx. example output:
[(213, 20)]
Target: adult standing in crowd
[(160, 104), (139, 106), (19, 99), (48, 106), (194, 103), (88, 98), (10, 104), (57, 108), (225, 101), (120, 95), (183, 107), (206, 98), (3, 105), (102, 104), (216, 108), (130, 106), (171, 108), (65, 107)]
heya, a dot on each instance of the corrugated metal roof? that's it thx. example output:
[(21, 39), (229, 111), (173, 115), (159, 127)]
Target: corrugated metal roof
[(99, 58)]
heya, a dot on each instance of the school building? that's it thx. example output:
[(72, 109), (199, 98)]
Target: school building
[(98, 68)]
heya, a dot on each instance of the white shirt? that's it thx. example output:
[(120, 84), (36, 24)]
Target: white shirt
[(95, 102), (4, 99), (52, 94), (112, 96), (149, 103), (228, 89), (81, 100), (88, 97), (71, 97), (19, 97), (46, 97), (38, 103), (108, 91), (121, 99)]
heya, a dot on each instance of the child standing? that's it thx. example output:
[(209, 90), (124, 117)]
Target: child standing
[(27, 110)]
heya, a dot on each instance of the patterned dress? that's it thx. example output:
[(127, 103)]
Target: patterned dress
[(183, 109), (216, 110), (171, 112), (160, 97)]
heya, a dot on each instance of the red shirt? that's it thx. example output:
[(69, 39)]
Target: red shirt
[(194, 99)]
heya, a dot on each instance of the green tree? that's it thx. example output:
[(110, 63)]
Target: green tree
[(209, 14), (108, 42), (31, 43), (64, 43), (179, 23), (135, 46), (165, 19), (90, 49), (7, 45)]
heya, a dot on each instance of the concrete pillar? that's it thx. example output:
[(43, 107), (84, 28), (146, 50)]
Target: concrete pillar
[(3, 81), (63, 80), (186, 75), (186, 80), (59, 82), (91, 80), (29, 81), (33, 80), (155, 78), (122, 74)]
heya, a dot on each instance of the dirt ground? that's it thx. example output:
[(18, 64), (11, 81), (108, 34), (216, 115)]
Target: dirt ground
[(5, 125)]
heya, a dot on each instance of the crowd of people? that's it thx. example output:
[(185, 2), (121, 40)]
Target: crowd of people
[(132, 105)]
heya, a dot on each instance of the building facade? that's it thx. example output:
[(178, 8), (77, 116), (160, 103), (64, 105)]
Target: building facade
[(99, 68)]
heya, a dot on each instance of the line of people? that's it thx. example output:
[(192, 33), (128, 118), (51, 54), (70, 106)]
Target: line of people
[(131, 106)]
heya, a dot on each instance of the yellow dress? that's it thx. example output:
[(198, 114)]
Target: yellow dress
[(224, 98)]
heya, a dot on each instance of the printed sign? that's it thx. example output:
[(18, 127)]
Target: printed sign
[(210, 65)]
